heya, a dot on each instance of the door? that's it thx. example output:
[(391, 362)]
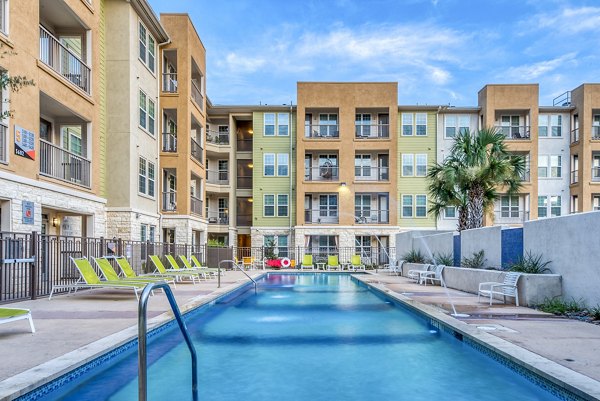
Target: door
[(308, 209), (384, 125), (383, 164), (308, 125), (383, 207)]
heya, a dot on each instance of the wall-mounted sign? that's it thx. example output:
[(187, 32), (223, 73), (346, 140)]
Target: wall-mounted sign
[(24, 143), (28, 209)]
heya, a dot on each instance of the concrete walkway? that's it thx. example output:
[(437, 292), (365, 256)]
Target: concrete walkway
[(69, 322)]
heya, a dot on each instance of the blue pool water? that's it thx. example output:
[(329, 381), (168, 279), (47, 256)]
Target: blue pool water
[(309, 337)]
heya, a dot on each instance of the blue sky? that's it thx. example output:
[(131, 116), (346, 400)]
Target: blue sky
[(439, 51)]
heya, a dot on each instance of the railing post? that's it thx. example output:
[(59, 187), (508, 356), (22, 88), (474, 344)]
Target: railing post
[(34, 264)]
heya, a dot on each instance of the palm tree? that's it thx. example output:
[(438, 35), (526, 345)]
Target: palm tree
[(468, 178)]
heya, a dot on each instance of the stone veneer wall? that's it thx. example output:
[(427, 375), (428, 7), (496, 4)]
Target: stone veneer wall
[(183, 228), (125, 224)]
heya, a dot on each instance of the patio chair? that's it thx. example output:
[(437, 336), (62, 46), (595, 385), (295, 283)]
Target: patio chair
[(181, 273), (247, 262), (356, 263), (508, 288), (307, 262), (333, 263), (415, 274), (197, 265), (111, 274), (89, 279), (432, 275), (128, 271), (8, 315)]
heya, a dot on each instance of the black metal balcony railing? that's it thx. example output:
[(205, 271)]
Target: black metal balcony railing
[(169, 142), (371, 173), (169, 201), (244, 182), (322, 131), (220, 218), (169, 82), (62, 60), (574, 176), (244, 220), (595, 174), (575, 135), (526, 176), (196, 150), (244, 145), (217, 138), (217, 177), (510, 216), (595, 132), (195, 205), (372, 131), (371, 216), (515, 132), (322, 173), (3, 143), (325, 215), (197, 95), (63, 165)]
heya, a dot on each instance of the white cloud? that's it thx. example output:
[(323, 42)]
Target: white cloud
[(567, 20), (528, 72), (243, 64)]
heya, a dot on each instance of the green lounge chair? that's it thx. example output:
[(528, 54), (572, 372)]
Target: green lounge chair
[(89, 279), (307, 262), (110, 274), (203, 269), (128, 271), (356, 263), (197, 265), (333, 263), (158, 265), (8, 315)]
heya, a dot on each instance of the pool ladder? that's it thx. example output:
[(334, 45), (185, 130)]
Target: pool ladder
[(143, 336), (235, 265)]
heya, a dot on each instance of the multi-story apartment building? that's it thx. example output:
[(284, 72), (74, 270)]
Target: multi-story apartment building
[(53, 149), (134, 36), (182, 172)]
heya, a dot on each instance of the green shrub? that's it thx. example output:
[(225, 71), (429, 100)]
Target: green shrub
[(446, 259), (476, 261), (216, 243), (594, 312), (530, 263), (559, 306), (414, 256)]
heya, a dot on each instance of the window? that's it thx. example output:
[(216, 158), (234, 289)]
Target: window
[(283, 164), (464, 123), (421, 165), (151, 117), (269, 124), (575, 204), (543, 166), (556, 125), (450, 212), (279, 242), (363, 245), (421, 208), (362, 125), (146, 182), (269, 170), (450, 123), (553, 201), (283, 124), (550, 166), (269, 206), (407, 124), (596, 202), (144, 232), (147, 51), (407, 165), (362, 208), (328, 206), (421, 124), (151, 233), (4, 16), (509, 206), (543, 125), (407, 206), (150, 179), (143, 110), (147, 113), (71, 139), (555, 166), (362, 165), (282, 205), (555, 206), (328, 125), (143, 171), (542, 206)]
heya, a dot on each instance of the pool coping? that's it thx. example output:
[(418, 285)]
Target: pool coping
[(45, 373), (578, 384)]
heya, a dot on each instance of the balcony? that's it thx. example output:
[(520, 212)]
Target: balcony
[(371, 216), (196, 151), (64, 165), (169, 201), (328, 131), (511, 216), (217, 177), (372, 131), (596, 132), (244, 220), (575, 135), (596, 174), (244, 182), (169, 82), (371, 173), (197, 95), (514, 132), (169, 142), (574, 176), (217, 138), (3, 143), (218, 218), (324, 215), (244, 145), (195, 205), (64, 61), (323, 173)]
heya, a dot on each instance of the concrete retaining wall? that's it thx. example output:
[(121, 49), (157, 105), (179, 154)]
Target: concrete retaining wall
[(436, 244), (487, 238)]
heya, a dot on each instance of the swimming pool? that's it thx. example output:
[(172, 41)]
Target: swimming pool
[(308, 337)]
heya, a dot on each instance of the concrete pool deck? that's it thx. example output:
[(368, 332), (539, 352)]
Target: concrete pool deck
[(73, 328)]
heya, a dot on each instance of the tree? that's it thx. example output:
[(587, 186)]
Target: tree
[(479, 163), (14, 82)]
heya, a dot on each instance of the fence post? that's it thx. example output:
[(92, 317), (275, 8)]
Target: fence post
[(34, 264), (102, 246), (120, 247)]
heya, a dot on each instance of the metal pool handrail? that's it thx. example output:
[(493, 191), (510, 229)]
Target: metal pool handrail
[(237, 267), (143, 334)]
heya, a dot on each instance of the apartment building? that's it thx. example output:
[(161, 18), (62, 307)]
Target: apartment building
[(134, 37), (53, 150), (182, 170)]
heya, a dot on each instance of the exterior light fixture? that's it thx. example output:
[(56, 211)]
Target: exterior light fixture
[(250, 165), (343, 185), (55, 222), (250, 200)]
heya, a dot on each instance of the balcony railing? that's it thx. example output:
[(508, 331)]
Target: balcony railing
[(595, 132), (372, 131), (217, 177), (511, 216), (169, 82), (323, 173), (196, 150), (169, 142), (326, 215), (371, 173), (63, 165), (244, 145), (220, 218), (515, 132), (575, 135), (322, 131), (244, 182), (595, 174), (3, 143), (169, 201), (244, 220), (62, 60), (371, 216), (197, 95), (195, 205), (217, 138), (574, 176)]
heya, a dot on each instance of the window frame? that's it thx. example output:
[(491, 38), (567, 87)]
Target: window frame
[(144, 177), (454, 217), (405, 123), (416, 164), (417, 125), (417, 206), (5, 4), (265, 165), (148, 54), (286, 165), (406, 205), (265, 125), (286, 205), (543, 206), (279, 126), (411, 164), (265, 205)]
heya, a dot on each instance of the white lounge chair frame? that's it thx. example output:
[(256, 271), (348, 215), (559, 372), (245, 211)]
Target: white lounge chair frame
[(415, 274), (20, 317), (508, 288), (432, 275)]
